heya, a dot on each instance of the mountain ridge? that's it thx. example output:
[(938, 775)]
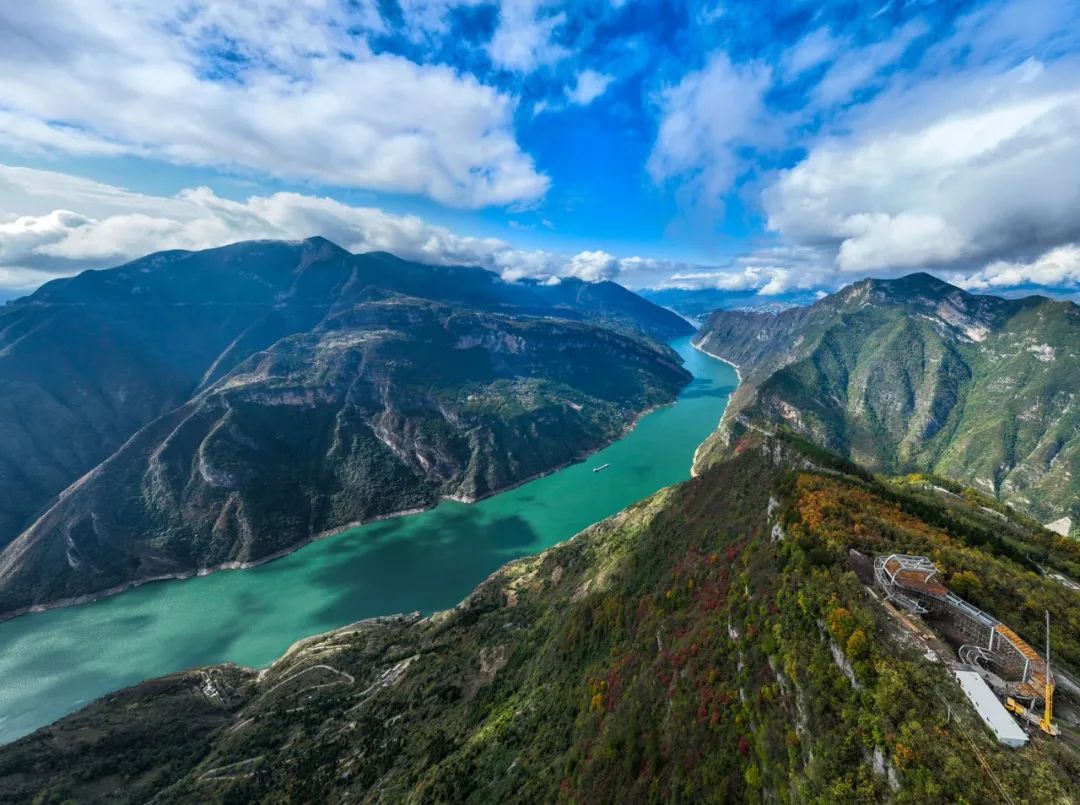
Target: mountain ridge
[(715, 639), (95, 360), (916, 374)]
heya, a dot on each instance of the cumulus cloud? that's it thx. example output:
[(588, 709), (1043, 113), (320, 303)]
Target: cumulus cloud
[(1057, 268), (115, 225), (280, 88), (768, 271), (955, 150), (969, 170), (594, 266), (104, 225)]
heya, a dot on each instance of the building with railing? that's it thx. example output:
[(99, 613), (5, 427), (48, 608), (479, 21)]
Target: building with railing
[(914, 583)]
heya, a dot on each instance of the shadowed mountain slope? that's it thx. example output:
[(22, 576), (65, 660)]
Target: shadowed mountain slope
[(195, 408)]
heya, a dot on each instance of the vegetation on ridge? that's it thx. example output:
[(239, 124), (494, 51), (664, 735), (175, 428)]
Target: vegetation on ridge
[(385, 407), (711, 643), (914, 375)]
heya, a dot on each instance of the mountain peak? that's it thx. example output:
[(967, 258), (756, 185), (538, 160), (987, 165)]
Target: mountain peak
[(919, 288), (320, 242), (920, 282)]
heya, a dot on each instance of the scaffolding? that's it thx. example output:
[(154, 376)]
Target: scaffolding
[(914, 583)]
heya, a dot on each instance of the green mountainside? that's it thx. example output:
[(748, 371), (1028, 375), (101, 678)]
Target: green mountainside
[(917, 375), (198, 408), (714, 642)]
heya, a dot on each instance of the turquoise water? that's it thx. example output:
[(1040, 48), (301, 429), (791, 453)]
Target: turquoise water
[(53, 662)]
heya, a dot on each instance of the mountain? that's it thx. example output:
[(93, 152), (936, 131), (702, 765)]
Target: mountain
[(191, 409), (696, 304), (715, 642), (914, 374)]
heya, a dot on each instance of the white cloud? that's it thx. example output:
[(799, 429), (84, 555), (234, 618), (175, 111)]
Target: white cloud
[(524, 38), (859, 68), (590, 86), (1057, 268), (107, 225), (300, 97), (594, 266), (427, 19), (949, 153), (704, 119), (39, 239), (769, 271), (116, 225), (962, 170), (813, 49)]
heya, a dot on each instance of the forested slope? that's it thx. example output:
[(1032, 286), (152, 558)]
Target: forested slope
[(711, 643), (917, 375)]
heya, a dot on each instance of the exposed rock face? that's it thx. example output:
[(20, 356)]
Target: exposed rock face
[(194, 409), (915, 374)]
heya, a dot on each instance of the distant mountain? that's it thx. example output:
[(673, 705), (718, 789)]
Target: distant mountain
[(195, 408), (696, 304), (715, 642), (915, 374)]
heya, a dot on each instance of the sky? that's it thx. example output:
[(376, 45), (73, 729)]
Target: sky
[(746, 146)]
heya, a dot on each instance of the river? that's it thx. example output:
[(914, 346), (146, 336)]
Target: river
[(53, 662)]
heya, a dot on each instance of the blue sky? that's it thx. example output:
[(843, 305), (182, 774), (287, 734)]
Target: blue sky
[(740, 145)]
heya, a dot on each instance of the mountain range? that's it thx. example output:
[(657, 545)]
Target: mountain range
[(197, 409), (720, 640), (916, 375)]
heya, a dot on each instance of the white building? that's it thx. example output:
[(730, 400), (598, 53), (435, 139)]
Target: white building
[(991, 710)]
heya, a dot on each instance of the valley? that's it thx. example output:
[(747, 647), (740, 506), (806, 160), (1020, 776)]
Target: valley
[(53, 662), (713, 637), (731, 632)]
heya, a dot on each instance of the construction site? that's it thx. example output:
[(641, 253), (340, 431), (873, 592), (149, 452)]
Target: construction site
[(1009, 683)]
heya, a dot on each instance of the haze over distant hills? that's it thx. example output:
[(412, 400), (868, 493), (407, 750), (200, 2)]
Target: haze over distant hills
[(915, 374), (198, 408), (697, 304)]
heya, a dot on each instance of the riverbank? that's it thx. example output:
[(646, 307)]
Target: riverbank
[(703, 351), (182, 575), (720, 424)]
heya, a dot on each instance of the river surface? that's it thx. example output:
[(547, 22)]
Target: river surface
[(51, 663)]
